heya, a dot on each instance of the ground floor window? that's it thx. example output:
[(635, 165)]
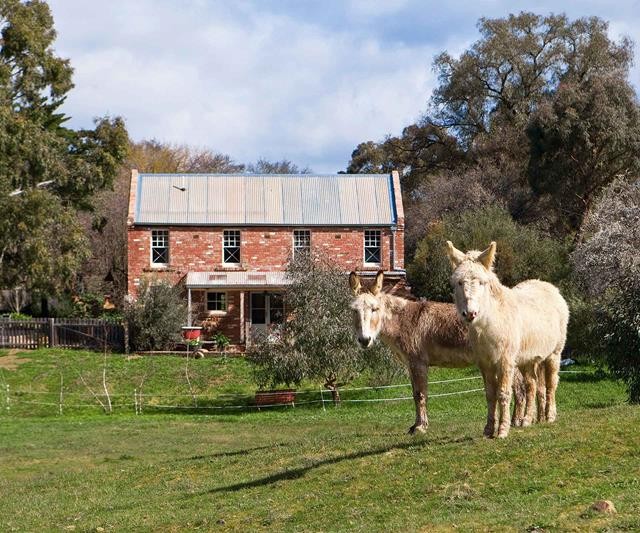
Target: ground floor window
[(217, 301), (267, 308)]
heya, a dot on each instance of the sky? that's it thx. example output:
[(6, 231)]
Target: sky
[(303, 80)]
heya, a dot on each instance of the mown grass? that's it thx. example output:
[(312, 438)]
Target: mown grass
[(305, 469)]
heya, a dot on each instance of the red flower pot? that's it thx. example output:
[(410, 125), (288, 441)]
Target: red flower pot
[(190, 333)]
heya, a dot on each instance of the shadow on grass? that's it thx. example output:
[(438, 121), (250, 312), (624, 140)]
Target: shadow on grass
[(585, 377), (297, 473), (225, 454)]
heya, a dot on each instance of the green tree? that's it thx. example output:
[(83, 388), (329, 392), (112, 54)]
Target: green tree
[(317, 341), (583, 137), (42, 246), (157, 315), (479, 115), (523, 251)]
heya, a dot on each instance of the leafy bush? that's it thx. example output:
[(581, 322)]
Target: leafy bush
[(619, 327), (523, 251), (156, 317), (607, 267), (317, 340), (221, 340)]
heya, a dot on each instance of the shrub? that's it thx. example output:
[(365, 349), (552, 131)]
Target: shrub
[(524, 252), (156, 317), (317, 340), (619, 328), (607, 267)]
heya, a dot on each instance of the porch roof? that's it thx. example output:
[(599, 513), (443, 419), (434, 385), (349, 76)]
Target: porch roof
[(236, 280)]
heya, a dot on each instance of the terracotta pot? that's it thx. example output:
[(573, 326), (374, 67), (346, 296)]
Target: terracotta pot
[(276, 397), (190, 333)]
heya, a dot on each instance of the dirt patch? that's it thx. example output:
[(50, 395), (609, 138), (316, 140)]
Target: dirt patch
[(11, 361)]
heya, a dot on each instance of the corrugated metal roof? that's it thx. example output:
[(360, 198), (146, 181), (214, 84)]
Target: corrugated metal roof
[(225, 280), (270, 199)]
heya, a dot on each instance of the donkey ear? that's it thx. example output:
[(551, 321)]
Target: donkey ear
[(377, 284), (487, 257), (354, 283), (455, 256)]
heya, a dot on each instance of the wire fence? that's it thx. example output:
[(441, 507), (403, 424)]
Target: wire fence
[(63, 401)]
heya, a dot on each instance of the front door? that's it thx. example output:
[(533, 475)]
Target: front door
[(266, 308)]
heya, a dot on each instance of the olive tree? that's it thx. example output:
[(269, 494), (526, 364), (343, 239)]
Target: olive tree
[(316, 340)]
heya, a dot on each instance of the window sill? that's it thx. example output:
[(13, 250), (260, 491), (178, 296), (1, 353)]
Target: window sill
[(156, 268)]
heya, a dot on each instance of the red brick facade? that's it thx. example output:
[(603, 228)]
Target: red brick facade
[(263, 249)]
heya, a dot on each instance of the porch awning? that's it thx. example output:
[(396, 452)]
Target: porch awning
[(236, 280)]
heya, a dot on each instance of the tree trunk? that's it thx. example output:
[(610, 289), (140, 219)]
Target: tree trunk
[(335, 393)]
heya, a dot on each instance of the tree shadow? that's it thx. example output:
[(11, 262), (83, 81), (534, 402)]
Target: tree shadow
[(297, 473), (226, 454), (585, 377)]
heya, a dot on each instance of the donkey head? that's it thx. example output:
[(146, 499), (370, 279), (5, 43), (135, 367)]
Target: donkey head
[(471, 278), (366, 306)]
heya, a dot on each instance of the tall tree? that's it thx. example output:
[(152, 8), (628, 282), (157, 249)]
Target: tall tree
[(518, 93), (264, 166), (582, 137), (42, 247)]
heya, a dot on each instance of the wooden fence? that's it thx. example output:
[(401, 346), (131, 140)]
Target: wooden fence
[(88, 333)]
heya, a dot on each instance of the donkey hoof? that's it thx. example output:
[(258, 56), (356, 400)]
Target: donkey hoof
[(503, 434), (415, 429), (488, 432), (526, 422)]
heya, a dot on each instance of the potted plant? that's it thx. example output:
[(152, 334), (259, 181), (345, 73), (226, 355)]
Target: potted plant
[(221, 341)]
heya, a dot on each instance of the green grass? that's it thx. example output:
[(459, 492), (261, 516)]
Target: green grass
[(347, 468)]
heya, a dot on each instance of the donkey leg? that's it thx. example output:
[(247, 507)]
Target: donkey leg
[(541, 388), (551, 369), (505, 381), (489, 378), (529, 373), (519, 399), (418, 372)]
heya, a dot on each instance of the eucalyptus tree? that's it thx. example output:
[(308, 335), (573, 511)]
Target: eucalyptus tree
[(41, 242)]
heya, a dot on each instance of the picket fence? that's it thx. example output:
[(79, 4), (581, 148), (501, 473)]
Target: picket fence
[(90, 333)]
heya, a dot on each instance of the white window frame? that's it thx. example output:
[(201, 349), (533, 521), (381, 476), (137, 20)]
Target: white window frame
[(306, 249), (224, 247), (364, 247), (217, 311), (153, 247)]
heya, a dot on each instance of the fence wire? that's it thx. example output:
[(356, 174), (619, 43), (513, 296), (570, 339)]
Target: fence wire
[(145, 401)]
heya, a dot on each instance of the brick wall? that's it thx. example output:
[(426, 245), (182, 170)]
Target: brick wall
[(262, 249)]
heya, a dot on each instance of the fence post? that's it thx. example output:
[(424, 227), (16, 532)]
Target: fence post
[(8, 398), (125, 325), (52, 332), (322, 398)]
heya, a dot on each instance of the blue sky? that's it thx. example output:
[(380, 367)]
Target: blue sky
[(297, 79)]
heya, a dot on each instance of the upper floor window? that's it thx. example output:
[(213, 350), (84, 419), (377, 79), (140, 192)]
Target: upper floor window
[(159, 247), (217, 301), (372, 246), (301, 241), (231, 246)]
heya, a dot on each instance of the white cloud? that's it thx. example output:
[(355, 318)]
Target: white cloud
[(243, 82), (249, 80)]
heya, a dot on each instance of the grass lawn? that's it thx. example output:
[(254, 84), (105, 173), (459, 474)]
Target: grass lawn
[(350, 468)]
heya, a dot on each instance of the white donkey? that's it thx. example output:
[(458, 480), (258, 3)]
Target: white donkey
[(523, 327), (421, 334)]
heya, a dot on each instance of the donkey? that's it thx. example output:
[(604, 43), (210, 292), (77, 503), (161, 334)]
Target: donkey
[(420, 334), (523, 327)]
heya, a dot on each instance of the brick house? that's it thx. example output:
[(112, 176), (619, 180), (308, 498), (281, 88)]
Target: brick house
[(228, 238)]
